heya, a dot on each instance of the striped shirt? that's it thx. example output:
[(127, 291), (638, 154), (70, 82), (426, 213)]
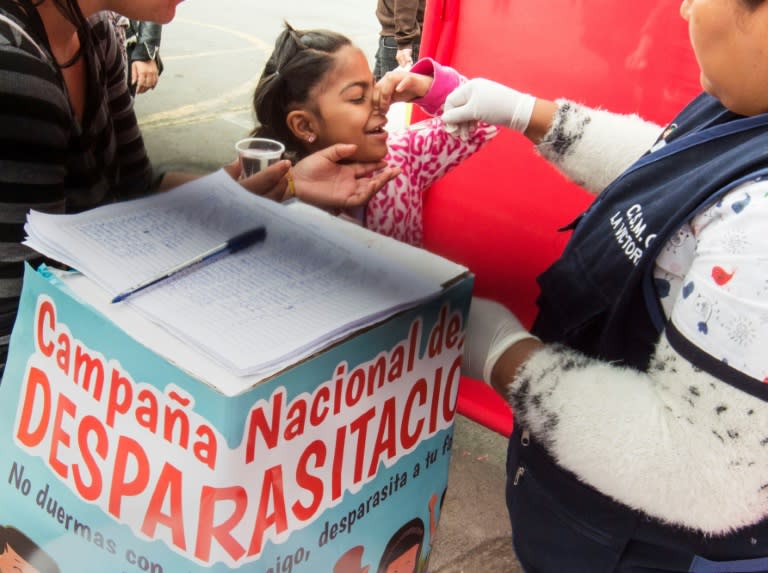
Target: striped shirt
[(49, 161)]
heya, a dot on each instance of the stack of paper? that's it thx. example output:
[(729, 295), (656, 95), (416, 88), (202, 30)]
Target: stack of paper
[(255, 311)]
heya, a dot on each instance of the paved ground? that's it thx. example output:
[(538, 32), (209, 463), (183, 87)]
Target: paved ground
[(474, 531), (213, 54)]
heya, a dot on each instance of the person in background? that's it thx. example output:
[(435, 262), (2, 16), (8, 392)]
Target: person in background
[(69, 139), (144, 66), (641, 392), (140, 42), (317, 90), (400, 34)]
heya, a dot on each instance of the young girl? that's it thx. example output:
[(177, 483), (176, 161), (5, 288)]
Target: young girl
[(317, 89)]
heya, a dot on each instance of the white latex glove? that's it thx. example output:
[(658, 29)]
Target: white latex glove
[(491, 329), (483, 100)]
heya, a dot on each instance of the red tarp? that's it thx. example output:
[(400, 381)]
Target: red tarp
[(498, 213)]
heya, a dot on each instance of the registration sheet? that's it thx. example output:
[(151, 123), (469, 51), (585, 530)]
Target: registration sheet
[(307, 285)]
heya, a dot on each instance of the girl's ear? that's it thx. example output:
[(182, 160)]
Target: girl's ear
[(302, 124)]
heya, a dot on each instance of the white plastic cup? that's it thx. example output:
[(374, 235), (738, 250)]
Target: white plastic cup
[(257, 153)]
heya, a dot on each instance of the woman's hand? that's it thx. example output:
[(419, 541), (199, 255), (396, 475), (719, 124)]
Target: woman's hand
[(144, 75), (321, 179), (483, 100), (399, 85), (271, 183), (324, 180), (493, 335)]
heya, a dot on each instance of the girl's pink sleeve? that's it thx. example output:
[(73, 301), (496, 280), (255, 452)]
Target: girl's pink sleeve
[(431, 152), (424, 153), (444, 81)]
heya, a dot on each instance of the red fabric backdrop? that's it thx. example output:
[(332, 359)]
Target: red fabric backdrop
[(498, 213)]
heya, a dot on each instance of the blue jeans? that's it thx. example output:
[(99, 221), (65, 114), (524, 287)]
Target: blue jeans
[(386, 60), (560, 525)]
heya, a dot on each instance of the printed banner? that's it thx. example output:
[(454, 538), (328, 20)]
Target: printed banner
[(116, 460)]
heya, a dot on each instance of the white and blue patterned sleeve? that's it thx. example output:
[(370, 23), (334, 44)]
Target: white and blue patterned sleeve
[(720, 315)]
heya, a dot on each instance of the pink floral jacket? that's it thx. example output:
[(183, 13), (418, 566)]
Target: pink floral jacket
[(424, 153)]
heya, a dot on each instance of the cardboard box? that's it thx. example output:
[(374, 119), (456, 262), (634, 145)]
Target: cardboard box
[(117, 460)]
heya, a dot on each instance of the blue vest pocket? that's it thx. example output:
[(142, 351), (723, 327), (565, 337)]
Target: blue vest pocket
[(558, 523)]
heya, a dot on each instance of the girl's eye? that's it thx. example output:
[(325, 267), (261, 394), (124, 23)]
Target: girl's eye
[(360, 99)]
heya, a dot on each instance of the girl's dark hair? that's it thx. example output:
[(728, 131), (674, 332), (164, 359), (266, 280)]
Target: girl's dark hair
[(410, 534), (299, 62), (27, 549), (70, 9)]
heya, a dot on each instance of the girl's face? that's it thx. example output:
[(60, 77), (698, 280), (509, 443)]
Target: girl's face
[(344, 104), (730, 41)]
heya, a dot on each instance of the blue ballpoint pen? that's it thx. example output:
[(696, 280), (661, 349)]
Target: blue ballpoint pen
[(236, 243)]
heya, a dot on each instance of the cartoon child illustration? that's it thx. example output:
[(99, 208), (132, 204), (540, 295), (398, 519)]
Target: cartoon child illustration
[(401, 555), (351, 562), (433, 517), (19, 554)]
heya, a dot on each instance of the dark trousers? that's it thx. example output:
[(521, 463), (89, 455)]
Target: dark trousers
[(560, 525), (386, 56)]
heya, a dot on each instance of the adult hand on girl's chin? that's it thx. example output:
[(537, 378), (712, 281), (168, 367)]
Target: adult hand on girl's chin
[(321, 179), (270, 183)]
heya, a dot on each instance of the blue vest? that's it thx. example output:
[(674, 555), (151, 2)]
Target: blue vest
[(599, 296)]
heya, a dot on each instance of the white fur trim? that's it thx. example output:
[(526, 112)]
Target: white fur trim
[(675, 442), (592, 147)]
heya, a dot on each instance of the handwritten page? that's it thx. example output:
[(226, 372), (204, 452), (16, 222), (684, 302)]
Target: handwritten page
[(121, 244), (307, 285)]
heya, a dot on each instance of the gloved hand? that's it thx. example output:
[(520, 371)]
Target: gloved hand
[(484, 100), (491, 329)]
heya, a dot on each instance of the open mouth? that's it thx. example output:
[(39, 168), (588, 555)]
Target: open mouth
[(376, 131)]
